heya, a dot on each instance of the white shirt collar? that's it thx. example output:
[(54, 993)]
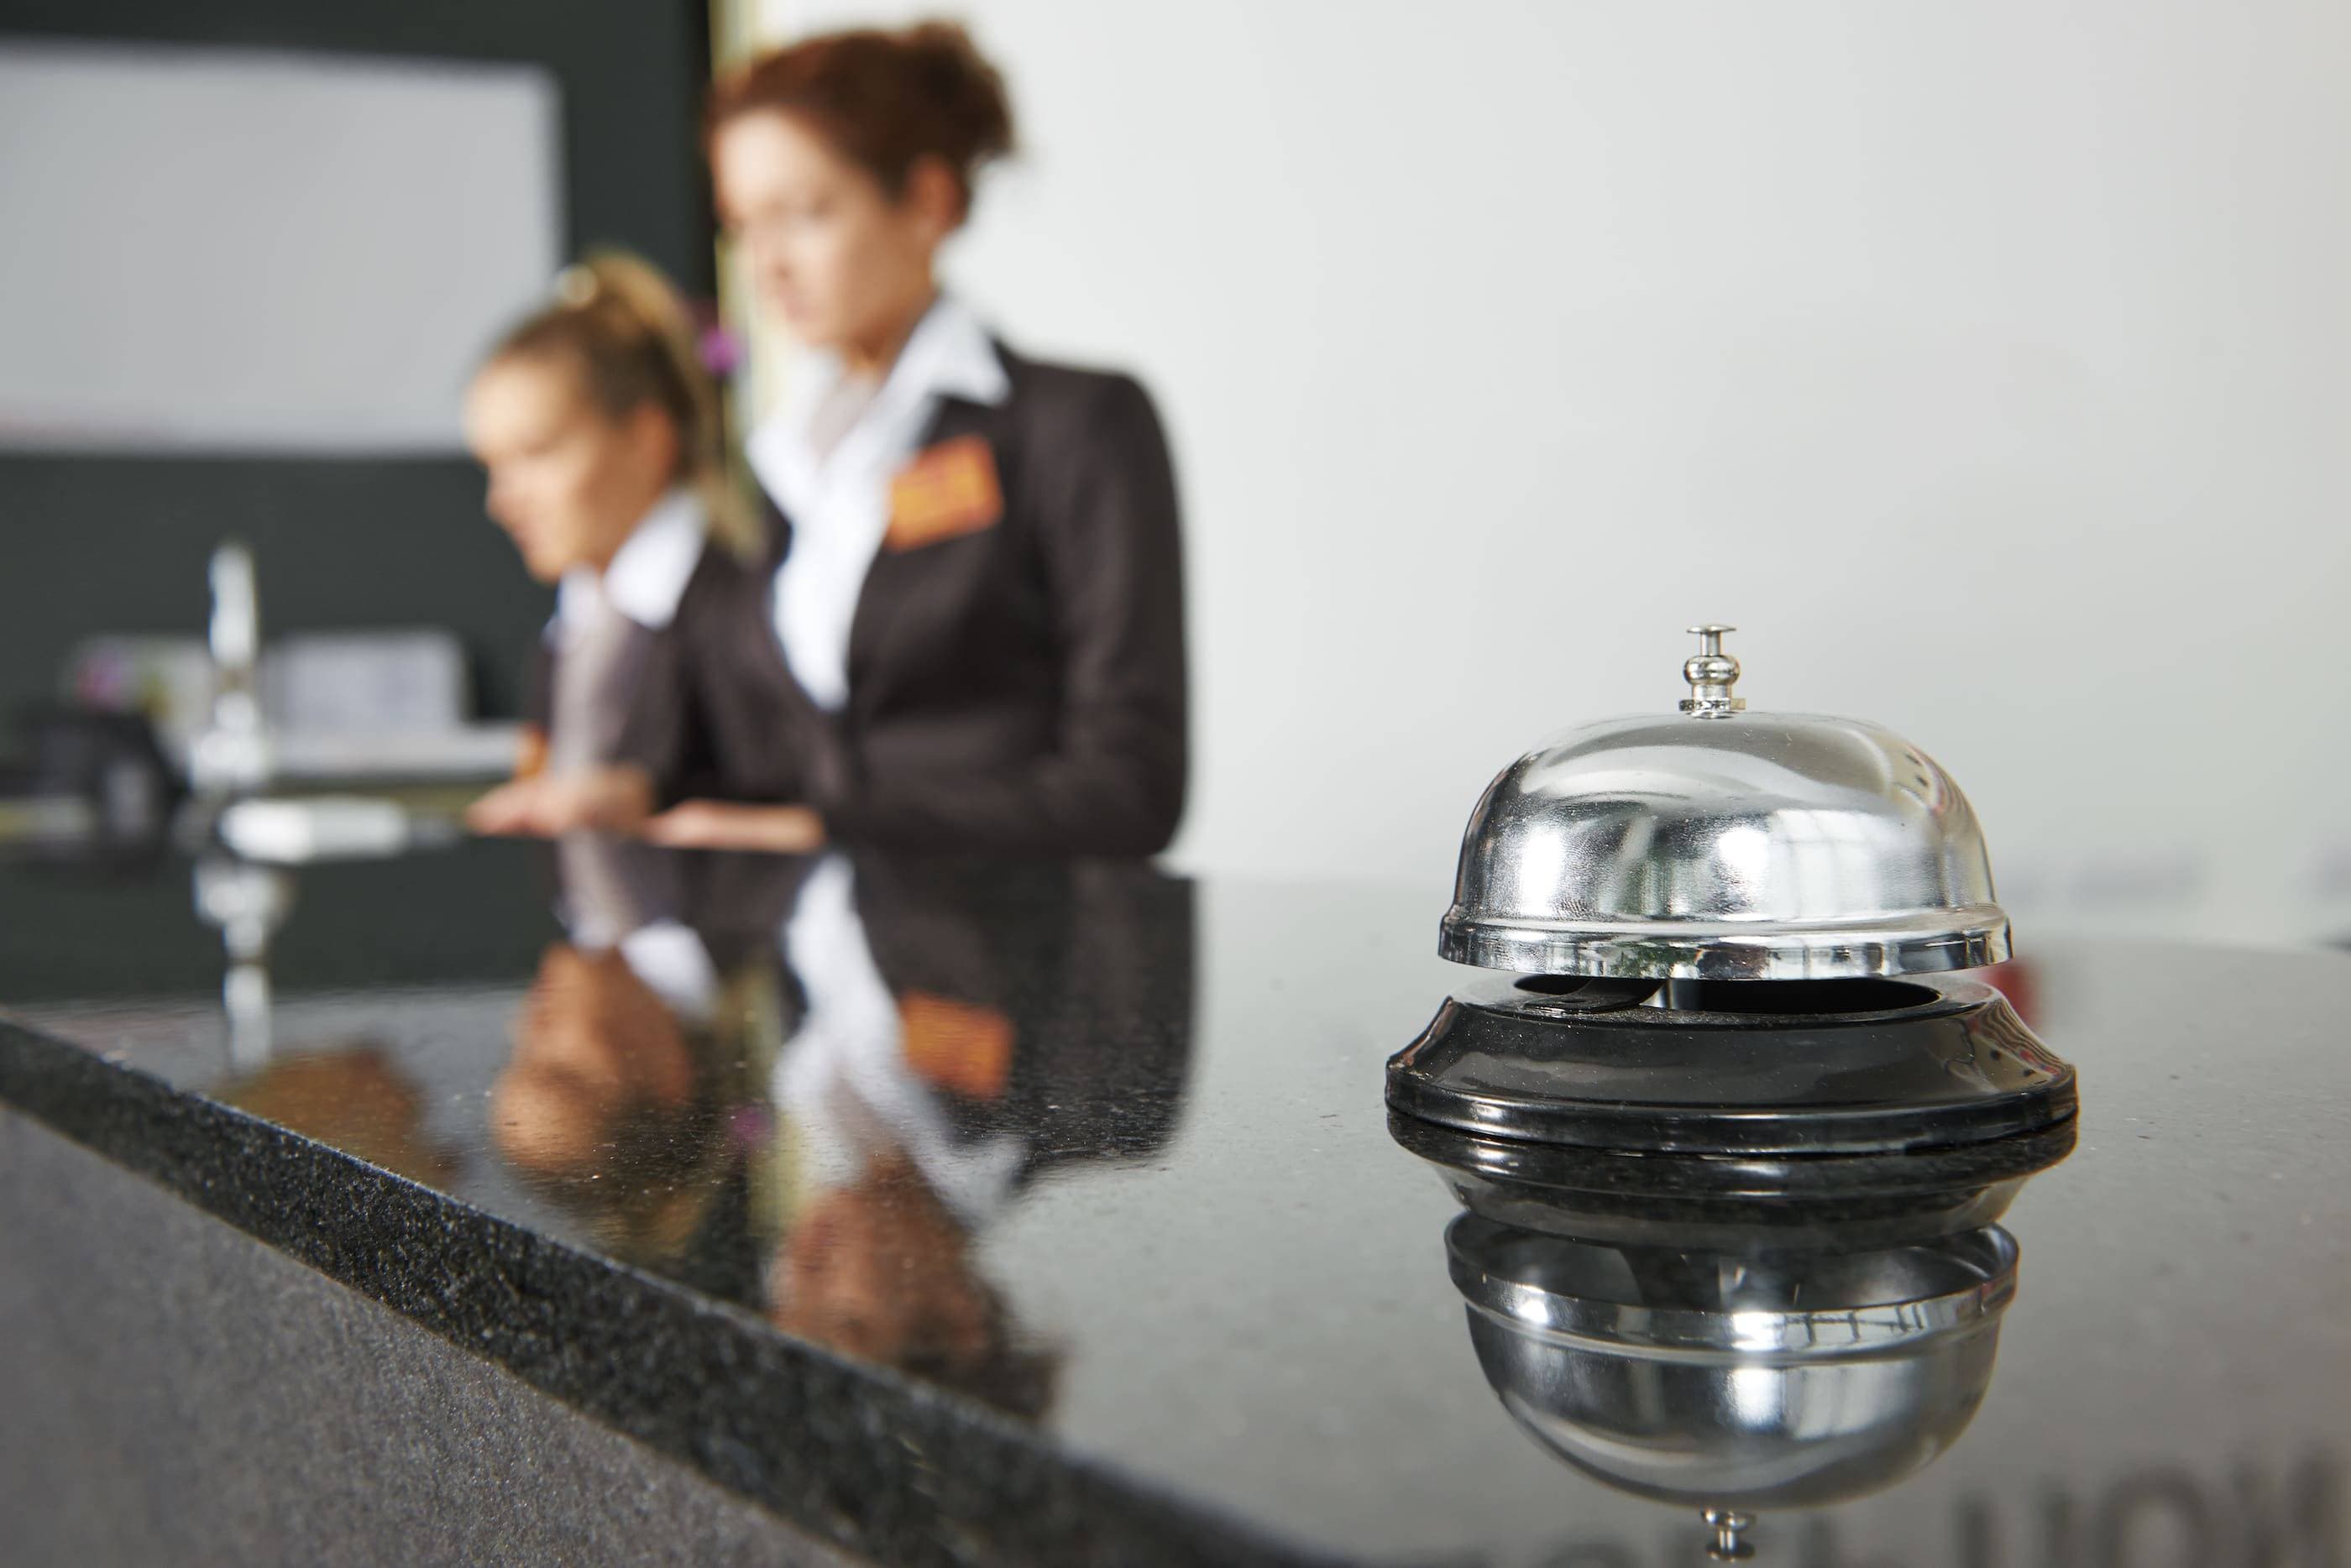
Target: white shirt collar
[(950, 354), (648, 573), (675, 967)]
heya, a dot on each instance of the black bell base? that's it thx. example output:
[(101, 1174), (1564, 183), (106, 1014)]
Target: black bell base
[(1756, 1205), (1733, 1070)]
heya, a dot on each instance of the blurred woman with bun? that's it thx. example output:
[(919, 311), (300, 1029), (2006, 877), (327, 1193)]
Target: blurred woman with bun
[(972, 635), (602, 435)]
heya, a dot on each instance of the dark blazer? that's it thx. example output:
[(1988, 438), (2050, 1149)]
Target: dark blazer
[(1019, 689), (1091, 963), (658, 728)]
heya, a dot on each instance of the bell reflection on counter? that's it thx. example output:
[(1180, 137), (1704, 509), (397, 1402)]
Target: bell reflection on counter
[(1735, 1334), (812, 1087), (1730, 1379)]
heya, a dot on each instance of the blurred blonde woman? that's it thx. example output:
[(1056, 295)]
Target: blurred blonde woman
[(600, 432)]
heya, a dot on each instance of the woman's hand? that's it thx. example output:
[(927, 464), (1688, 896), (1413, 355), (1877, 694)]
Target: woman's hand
[(616, 798), (728, 825), (508, 809)]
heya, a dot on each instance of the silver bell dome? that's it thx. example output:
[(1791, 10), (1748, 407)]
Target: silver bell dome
[(1724, 845)]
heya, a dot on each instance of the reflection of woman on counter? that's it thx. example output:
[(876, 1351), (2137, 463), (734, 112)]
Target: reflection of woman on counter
[(973, 638), (601, 436), (635, 1093), (624, 1103), (353, 1096), (963, 1031), (813, 1086), (885, 1185)]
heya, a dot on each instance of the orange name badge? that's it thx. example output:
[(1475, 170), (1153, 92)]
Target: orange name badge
[(957, 1045), (946, 492)]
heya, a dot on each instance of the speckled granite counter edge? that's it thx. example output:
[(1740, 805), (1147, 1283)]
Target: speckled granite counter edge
[(875, 1463)]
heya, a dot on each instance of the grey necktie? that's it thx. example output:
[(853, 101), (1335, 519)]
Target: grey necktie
[(594, 669)]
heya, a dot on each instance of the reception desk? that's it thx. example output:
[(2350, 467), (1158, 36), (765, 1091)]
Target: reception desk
[(516, 1203)]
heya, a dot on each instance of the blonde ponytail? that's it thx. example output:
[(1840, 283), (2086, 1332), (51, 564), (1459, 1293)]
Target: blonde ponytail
[(635, 341)]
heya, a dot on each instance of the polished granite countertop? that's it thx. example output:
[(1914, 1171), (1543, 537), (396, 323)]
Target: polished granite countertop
[(962, 1212)]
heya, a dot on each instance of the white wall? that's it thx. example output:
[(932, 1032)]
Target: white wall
[(220, 249), (1988, 364)]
